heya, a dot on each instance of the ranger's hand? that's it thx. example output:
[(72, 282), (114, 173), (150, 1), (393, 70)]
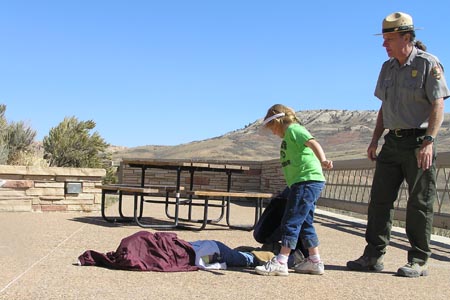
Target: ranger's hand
[(425, 156), (372, 151)]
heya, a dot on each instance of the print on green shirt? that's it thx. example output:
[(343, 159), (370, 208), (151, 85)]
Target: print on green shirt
[(299, 163)]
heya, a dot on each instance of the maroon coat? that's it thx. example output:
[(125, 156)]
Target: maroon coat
[(145, 251)]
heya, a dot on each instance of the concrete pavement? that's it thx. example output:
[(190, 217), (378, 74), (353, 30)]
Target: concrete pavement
[(38, 252)]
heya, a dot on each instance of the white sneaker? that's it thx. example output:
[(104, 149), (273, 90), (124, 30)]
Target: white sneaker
[(309, 267), (272, 268)]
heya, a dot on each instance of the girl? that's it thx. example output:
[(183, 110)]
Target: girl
[(302, 159)]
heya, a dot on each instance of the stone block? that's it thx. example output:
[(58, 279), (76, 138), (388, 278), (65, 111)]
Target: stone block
[(48, 184), (51, 198), (52, 207), (91, 190), (80, 197), (90, 184), (10, 193), (15, 205), (39, 177), (45, 192), (16, 184), (98, 198)]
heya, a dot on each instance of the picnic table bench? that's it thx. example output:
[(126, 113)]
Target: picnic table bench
[(138, 192), (204, 197)]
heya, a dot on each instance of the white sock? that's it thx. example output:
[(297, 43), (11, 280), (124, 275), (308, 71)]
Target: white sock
[(314, 258), (282, 259)]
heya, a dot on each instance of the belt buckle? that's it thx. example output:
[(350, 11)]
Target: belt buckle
[(397, 132)]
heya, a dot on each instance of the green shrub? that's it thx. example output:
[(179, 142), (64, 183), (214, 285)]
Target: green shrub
[(70, 145), (16, 141), (111, 176)]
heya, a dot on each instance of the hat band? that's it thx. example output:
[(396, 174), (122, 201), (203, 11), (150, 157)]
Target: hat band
[(400, 28), (271, 118)]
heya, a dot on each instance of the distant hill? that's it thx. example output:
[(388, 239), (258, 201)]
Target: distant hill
[(344, 134)]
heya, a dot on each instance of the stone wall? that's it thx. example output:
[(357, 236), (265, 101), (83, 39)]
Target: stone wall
[(49, 189), (272, 180)]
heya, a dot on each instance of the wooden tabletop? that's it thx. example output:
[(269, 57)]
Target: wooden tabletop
[(219, 193), (129, 189), (188, 164)]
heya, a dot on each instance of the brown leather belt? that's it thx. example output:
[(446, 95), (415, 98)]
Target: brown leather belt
[(408, 132)]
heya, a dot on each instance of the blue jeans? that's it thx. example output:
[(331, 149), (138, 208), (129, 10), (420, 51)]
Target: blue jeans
[(298, 218), (268, 228), (234, 258)]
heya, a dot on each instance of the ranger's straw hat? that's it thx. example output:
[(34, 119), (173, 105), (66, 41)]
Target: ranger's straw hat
[(398, 22)]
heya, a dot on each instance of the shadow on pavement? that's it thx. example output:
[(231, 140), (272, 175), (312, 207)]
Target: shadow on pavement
[(440, 251), (148, 220)]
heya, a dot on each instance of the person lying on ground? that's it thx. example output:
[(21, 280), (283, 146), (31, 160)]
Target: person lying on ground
[(166, 252)]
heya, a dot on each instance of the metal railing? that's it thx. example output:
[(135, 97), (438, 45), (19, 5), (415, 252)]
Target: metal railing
[(349, 182)]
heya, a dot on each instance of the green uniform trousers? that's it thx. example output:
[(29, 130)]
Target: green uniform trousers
[(397, 162)]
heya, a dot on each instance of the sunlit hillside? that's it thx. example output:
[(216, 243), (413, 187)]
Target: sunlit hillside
[(344, 134)]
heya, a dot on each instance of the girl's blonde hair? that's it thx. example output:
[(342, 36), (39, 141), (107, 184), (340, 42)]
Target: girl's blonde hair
[(288, 118)]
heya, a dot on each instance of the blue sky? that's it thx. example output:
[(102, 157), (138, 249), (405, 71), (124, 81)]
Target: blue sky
[(171, 71)]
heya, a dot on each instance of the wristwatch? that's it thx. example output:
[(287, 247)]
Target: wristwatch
[(428, 138)]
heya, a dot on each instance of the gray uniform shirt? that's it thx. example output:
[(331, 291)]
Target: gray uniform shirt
[(407, 91)]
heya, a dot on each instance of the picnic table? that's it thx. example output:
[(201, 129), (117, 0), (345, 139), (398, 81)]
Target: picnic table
[(194, 197)]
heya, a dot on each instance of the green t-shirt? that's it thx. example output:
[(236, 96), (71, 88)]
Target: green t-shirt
[(298, 162)]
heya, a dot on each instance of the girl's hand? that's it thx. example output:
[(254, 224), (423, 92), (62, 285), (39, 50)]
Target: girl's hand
[(327, 164)]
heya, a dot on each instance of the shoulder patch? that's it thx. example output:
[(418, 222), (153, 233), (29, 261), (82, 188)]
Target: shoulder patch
[(436, 72)]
